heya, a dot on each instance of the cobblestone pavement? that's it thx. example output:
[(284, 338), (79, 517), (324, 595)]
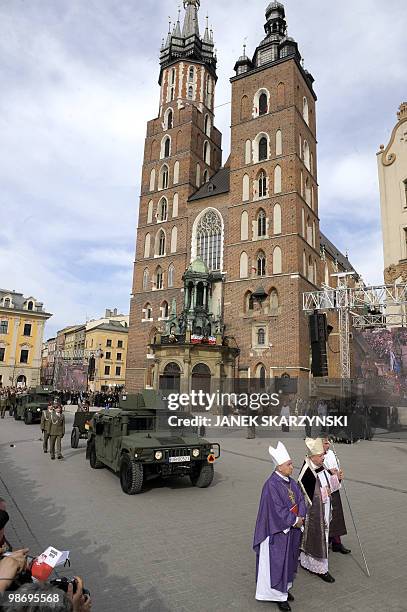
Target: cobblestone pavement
[(178, 548)]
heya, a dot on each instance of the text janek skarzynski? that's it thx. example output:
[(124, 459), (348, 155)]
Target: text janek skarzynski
[(253, 401)]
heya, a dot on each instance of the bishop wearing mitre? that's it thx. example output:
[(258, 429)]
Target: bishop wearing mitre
[(278, 532), (315, 483)]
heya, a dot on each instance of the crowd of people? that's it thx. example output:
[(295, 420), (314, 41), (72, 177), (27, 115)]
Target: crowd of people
[(19, 590)]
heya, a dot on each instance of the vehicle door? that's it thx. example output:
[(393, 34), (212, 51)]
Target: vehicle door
[(101, 429)]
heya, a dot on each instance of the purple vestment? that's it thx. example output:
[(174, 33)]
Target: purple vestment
[(273, 518)]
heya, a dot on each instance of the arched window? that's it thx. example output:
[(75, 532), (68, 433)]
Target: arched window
[(248, 152), (263, 145), (261, 336), (145, 279), (191, 74), (261, 224), (170, 119), (277, 179), (160, 243), (277, 263), (310, 270), (164, 173), (244, 108), (304, 264), (274, 302), (166, 147), (244, 265), (279, 142), (30, 305), (147, 312), (261, 264), (198, 175), (277, 219), (176, 173), (175, 206), (152, 180), (164, 310), (246, 188), (190, 92), (174, 235), (150, 211), (305, 110), (171, 272), (262, 184), (303, 223), (163, 209), (308, 191), (263, 104), (159, 278), (207, 153), (244, 226), (261, 371), (248, 304), (309, 231), (205, 176), (306, 153), (207, 125), (209, 239), (147, 240)]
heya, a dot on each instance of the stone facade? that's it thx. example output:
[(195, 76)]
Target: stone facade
[(392, 166)]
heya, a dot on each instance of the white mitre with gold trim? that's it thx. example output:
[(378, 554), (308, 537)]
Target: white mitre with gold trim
[(280, 454), (314, 446)]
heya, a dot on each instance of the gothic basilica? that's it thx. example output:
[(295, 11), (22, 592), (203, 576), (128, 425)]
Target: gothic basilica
[(225, 251)]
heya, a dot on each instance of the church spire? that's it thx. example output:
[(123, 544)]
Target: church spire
[(191, 23), (187, 43)]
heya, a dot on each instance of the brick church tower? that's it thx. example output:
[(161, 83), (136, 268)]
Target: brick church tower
[(224, 253)]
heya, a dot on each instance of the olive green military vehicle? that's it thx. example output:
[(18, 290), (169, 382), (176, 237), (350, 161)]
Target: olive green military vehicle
[(137, 443), (29, 405)]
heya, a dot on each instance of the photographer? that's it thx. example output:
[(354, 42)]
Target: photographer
[(33, 594)]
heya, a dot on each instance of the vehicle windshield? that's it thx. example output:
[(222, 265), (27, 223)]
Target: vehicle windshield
[(141, 423)]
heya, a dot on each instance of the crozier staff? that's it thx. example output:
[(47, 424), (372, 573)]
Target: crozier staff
[(337, 527), (278, 532), (315, 483)]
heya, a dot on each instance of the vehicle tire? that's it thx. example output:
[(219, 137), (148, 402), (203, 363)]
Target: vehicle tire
[(16, 417), (202, 475), (93, 460), (75, 437), (28, 418), (131, 475)]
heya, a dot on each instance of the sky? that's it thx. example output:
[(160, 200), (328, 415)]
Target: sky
[(78, 83)]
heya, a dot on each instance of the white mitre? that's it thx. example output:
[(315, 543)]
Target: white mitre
[(314, 445), (280, 454)]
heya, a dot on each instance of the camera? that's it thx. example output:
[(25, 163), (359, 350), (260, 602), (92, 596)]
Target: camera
[(63, 583)]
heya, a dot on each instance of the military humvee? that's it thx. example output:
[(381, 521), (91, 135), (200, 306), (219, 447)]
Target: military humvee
[(29, 406), (136, 441)]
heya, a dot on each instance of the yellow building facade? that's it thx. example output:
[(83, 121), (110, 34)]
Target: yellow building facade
[(22, 321), (107, 344)]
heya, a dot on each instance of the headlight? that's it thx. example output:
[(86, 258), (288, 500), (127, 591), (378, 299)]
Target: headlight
[(158, 455), (195, 452), (38, 409)]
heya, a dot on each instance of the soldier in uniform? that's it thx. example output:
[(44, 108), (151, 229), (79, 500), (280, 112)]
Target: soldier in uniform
[(46, 425), (3, 402), (57, 431)]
